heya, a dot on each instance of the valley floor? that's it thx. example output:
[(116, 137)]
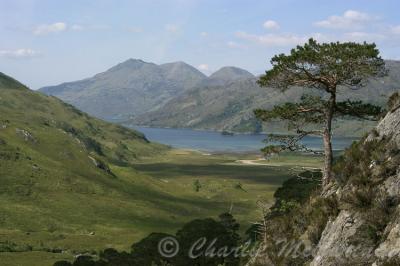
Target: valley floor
[(161, 197)]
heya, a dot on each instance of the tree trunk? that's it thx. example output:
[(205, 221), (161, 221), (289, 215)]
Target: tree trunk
[(328, 158), (328, 140)]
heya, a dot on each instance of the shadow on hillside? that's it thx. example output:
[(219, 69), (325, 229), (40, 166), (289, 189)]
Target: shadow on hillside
[(258, 174)]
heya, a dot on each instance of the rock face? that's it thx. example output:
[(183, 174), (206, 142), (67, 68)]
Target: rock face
[(391, 246), (337, 245), (390, 126)]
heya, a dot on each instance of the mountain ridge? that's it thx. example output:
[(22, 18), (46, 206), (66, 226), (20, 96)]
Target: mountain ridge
[(230, 106), (129, 88), (178, 95)]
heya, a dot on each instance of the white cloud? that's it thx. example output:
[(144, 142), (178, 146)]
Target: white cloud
[(271, 25), (359, 36), (172, 28), (23, 53), (320, 37), (204, 34), (77, 27), (135, 29), (99, 27), (233, 44), (45, 29), (272, 40), (351, 19), (203, 67), (395, 29)]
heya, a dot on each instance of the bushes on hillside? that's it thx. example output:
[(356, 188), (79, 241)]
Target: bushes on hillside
[(296, 191), (217, 235), (90, 143), (394, 101), (367, 163)]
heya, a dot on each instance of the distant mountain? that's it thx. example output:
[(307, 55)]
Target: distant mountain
[(129, 88), (230, 106), (227, 75), (135, 87), (184, 75), (178, 95)]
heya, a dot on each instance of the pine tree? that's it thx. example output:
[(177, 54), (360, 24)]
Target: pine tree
[(321, 68)]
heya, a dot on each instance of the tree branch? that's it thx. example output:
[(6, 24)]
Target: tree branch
[(288, 143), (358, 109)]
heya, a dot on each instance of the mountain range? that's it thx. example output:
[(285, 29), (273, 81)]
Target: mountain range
[(178, 95), (135, 87)]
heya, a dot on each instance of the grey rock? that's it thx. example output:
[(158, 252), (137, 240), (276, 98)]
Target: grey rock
[(336, 246), (26, 135), (391, 246), (390, 127)]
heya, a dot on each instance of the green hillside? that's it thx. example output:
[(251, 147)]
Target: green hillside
[(62, 170)]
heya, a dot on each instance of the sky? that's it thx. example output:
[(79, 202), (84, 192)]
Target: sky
[(47, 42)]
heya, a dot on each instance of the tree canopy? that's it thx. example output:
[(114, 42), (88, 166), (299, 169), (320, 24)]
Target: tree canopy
[(324, 66), (321, 69)]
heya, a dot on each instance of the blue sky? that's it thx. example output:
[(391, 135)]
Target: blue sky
[(46, 42)]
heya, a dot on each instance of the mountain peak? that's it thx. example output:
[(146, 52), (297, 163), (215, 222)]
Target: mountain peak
[(131, 63), (177, 64), (230, 73), (134, 60), (181, 68), (181, 63)]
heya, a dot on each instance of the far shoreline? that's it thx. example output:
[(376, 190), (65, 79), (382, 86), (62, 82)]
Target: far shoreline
[(262, 133)]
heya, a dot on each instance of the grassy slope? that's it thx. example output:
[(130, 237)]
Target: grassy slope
[(48, 181), (53, 196)]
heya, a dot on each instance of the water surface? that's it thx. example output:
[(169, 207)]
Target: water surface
[(211, 141)]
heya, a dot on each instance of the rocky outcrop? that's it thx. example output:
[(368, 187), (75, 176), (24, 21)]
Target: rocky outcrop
[(26, 135), (391, 246), (356, 221), (101, 165), (389, 127), (337, 245)]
